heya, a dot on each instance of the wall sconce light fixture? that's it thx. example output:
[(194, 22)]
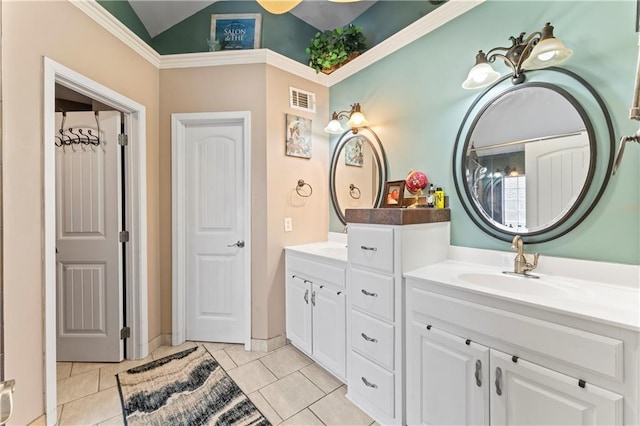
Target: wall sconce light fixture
[(538, 50), (278, 7), (355, 116)]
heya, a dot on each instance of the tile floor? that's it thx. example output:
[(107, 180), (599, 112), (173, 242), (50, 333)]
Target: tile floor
[(288, 387)]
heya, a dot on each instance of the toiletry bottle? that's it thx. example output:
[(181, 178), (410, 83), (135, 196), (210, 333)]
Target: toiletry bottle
[(431, 196), (439, 198)]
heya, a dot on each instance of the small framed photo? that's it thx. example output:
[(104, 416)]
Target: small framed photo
[(236, 31), (298, 139), (393, 194)]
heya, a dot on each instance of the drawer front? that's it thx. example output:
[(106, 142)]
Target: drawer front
[(372, 293), (371, 248), (373, 384), (372, 338), (316, 272), (581, 349)]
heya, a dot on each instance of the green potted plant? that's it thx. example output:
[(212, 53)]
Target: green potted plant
[(330, 49)]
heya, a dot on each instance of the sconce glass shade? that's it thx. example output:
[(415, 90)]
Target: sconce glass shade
[(278, 7), (357, 119), (480, 75), (334, 127), (547, 53)]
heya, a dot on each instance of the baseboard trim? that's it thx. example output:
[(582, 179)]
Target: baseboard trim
[(268, 345)]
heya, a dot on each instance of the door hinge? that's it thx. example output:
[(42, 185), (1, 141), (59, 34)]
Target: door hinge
[(125, 333), (123, 236), (123, 139)]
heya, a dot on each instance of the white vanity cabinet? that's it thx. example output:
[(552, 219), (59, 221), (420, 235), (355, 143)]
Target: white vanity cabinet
[(377, 257), (479, 360), (316, 309)]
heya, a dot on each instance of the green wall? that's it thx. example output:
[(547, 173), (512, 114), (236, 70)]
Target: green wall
[(414, 101), (123, 11)]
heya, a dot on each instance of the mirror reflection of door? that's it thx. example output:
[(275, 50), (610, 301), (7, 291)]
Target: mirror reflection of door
[(528, 158)]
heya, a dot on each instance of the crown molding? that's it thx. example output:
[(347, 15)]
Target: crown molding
[(433, 20), (242, 57), (109, 22), (423, 26)]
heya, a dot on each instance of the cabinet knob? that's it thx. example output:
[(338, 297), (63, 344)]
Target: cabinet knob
[(369, 384)]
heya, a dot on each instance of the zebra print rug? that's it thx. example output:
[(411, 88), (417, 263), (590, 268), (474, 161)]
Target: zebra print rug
[(186, 388)]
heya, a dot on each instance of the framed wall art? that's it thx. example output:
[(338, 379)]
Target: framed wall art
[(353, 152), (236, 31), (298, 136), (393, 193)]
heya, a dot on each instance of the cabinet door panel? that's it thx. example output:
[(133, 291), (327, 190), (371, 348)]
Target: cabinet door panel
[(447, 379), (533, 395), (329, 329), (298, 312)]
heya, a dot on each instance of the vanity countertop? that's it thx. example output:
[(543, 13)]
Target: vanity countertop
[(397, 216), (331, 250), (606, 303)]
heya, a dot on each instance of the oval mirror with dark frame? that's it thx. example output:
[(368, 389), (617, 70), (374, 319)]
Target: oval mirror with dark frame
[(533, 159), (357, 172)]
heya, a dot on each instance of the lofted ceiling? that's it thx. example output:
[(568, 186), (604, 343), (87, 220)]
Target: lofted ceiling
[(160, 15)]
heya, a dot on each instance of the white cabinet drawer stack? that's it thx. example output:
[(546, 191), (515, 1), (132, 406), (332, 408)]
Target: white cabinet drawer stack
[(377, 257)]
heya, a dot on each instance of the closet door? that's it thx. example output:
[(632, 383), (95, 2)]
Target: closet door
[(88, 250)]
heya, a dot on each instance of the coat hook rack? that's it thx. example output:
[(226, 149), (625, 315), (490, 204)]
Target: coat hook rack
[(79, 136), (301, 192), (354, 192)]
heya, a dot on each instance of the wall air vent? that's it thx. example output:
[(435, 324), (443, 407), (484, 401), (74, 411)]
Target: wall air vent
[(302, 100)]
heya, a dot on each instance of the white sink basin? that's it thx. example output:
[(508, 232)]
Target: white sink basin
[(517, 285)]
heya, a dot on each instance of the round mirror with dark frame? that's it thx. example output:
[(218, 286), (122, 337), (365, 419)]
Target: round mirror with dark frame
[(357, 172), (533, 159)]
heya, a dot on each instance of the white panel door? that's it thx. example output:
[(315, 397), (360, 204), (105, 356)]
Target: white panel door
[(528, 394), (298, 312), (329, 328), (214, 180), (555, 170), (447, 379), (89, 271)]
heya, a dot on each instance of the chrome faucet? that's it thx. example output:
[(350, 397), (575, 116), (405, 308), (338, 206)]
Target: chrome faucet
[(520, 264)]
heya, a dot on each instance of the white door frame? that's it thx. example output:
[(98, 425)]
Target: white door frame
[(136, 190), (179, 122)]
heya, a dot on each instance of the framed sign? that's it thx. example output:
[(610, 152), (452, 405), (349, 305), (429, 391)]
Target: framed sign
[(353, 152), (236, 31)]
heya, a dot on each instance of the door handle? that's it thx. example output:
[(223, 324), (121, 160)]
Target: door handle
[(478, 373), (238, 244), (498, 381)]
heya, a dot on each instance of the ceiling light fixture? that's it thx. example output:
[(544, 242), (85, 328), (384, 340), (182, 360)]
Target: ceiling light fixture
[(355, 116), (278, 7), (538, 50)]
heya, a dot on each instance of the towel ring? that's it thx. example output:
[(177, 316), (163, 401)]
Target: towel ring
[(354, 192), (302, 184)]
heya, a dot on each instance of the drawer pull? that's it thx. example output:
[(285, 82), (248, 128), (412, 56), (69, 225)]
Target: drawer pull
[(368, 383), (369, 248), (478, 373), (369, 339), (498, 381), (366, 293), (306, 296), (313, 298)]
